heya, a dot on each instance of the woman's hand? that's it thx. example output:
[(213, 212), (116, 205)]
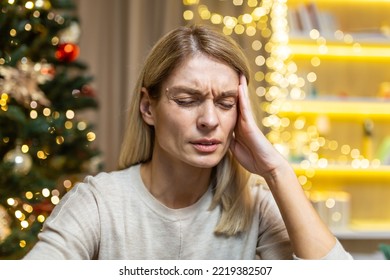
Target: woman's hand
[(310, 237), (249, 145)]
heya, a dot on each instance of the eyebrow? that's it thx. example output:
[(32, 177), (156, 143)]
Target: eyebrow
[(178, 89)]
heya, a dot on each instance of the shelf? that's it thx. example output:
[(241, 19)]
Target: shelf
[(363, 229), (347, 172), (377, 50), (343, 110), (362, 234)]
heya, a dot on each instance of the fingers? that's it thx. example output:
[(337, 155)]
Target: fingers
[(244, 104), (242, 94), (243, 81), (243, 89)]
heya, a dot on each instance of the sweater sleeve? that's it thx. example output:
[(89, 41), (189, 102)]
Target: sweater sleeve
[(72, 229), (336, 253)]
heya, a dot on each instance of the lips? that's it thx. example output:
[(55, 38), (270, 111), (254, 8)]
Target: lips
[(206, 145)]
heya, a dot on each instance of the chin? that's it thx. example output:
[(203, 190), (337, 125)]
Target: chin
[(205, 163), (205, 166)]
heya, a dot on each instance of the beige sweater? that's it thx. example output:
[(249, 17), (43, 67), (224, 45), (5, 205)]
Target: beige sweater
[(113, 216)]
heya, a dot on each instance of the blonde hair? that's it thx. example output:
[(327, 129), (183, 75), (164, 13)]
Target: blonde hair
[(229, 178)]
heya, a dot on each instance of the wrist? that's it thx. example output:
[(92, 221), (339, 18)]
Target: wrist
[(282, 175)]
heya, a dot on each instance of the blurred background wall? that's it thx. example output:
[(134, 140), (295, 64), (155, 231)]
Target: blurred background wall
[(116, 37)]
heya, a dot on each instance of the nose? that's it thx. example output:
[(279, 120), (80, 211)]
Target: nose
[(208, 116)]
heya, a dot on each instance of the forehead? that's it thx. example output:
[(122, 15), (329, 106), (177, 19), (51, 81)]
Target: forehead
[(203, 71)]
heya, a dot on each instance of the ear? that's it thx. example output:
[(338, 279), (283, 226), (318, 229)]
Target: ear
[(145, 107)]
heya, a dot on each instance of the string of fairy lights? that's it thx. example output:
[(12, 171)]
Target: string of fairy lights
[(265, 24)]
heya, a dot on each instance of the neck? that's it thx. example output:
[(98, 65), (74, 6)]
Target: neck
[(176, 186)]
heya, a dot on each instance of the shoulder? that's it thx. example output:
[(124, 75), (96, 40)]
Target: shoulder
[(105, 186), (114, 180), (114, 176), (99, 190)]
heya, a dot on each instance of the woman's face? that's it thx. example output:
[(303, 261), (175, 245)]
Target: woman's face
[(196, 115)]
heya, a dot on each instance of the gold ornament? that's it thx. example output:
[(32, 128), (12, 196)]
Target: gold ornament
[(21, 162), (70, 34), (21, 82), (5, 229)]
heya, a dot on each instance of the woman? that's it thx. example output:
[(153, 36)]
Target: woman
[(198, 179)]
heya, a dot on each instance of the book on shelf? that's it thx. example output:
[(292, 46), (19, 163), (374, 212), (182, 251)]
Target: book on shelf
[(383, 152), (306, 17)]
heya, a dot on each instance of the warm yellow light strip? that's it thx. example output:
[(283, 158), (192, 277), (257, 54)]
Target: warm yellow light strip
[(348, 172), (341, 1), (374, 225), (341, 51), (337, 109)]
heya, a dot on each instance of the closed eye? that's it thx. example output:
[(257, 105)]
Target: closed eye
[(186, 102), (188, 97), (226, 103)]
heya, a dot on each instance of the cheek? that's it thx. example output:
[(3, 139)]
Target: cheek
[(228, 124), (230, 121), (171, 124)]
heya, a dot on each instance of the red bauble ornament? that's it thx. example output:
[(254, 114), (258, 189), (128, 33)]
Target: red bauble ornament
[(43, 207), (88, 90), (67, 52)]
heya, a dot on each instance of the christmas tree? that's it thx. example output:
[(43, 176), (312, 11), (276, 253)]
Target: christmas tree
[(46, 143)]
